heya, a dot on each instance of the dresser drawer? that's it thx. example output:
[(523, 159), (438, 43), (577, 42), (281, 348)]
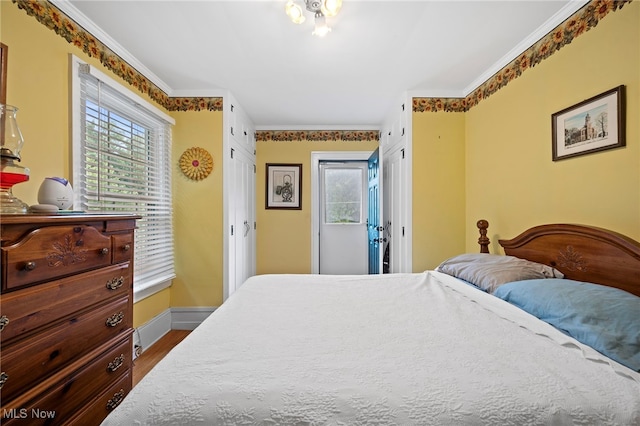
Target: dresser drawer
[(95, 412), (72, 394), (51, 252), (26, 362), (122, 247), (25, 310)]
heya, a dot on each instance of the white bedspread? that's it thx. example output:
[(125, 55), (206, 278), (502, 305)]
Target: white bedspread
[(402, 349)]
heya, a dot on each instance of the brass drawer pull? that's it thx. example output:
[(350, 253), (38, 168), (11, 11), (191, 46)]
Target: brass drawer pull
[(3, 379), (115, 283), (116, 363), (115, 319), (30, 266), (126, 247), (4, 320), (116, 400), (104, 251)]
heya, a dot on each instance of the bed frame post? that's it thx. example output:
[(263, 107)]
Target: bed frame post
[(483, 240)]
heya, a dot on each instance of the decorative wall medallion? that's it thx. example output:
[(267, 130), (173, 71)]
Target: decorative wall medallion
[(196, 163), (67, 252), (572, 260)]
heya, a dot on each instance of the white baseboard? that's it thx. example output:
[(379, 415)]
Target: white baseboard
[(189, 318), (184, 318)]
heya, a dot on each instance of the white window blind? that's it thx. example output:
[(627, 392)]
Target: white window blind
[(122, 164)]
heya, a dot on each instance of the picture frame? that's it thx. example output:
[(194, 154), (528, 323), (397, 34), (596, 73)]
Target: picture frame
[(283, 186), (593, 125), (4, 54)]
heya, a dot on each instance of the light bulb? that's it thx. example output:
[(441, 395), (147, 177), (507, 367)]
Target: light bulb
[(331, 7), (321, 29), (294, 12)]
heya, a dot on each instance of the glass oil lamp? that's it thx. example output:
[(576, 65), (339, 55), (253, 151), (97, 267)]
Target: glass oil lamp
[(11, 143)]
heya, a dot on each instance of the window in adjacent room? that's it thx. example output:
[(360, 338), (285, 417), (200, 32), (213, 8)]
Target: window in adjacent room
[(121, 164), (343, 195)]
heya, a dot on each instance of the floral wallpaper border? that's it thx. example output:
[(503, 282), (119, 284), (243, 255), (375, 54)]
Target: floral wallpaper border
[(51, 17), (317, 135), (581, 21)]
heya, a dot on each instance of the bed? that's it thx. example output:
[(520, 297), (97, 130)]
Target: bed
[(438, 347)]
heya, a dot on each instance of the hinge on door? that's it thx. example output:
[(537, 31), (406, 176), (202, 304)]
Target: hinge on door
[(403, 231), (254, 169), (232, 131), (232, 150), (254, 226), (231, 107), (231, 229), (402, 132), (402, 151), (403, 107)]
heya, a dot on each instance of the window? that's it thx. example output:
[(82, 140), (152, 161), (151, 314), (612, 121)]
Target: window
[(343, 195), (121, 164)]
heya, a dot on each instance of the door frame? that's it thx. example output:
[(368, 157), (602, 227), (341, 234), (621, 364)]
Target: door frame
[(316, 158)]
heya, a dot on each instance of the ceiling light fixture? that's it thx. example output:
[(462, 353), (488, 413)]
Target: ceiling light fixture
[(321, 9)]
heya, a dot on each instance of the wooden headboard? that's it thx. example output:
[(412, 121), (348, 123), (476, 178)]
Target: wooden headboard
[(582, 253)]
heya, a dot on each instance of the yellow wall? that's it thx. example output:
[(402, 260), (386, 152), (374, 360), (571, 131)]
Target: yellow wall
[(38, 84), (438, 188), (148, 308), (492, 162), (284, 236), (510, 178), (197, 208)]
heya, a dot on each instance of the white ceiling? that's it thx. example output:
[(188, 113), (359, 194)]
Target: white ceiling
[(286, 78)]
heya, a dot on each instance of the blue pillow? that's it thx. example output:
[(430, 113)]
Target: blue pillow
[(605, 318)]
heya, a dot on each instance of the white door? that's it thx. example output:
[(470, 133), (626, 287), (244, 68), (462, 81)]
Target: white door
[(394, 229), (343, 218), (243, 227), (239, 197)]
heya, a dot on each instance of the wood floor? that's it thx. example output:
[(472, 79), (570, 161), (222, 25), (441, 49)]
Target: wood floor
[(150, 357)]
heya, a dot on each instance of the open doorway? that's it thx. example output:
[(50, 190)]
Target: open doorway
[(337, 162), (343, 217)]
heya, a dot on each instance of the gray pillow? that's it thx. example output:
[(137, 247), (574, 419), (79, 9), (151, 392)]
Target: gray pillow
[(489, 271)]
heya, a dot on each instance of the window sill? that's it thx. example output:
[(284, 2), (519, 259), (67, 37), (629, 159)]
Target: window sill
[(140, 293)]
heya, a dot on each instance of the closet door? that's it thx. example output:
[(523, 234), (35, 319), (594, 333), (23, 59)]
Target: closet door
[(394, 228), (240, 195), (242, 215), (395, 143)]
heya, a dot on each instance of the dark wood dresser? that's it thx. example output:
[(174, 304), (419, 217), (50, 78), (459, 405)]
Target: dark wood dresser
[(66, 317)]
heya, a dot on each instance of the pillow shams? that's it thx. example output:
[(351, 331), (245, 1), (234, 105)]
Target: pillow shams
[(489, 271), (604, 318)]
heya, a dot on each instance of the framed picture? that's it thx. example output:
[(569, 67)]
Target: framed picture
[(4, 50), (283, 186), (593, 125)]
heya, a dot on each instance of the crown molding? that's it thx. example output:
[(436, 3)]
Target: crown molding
[(81, 19), (552, 23), (576, 18)]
